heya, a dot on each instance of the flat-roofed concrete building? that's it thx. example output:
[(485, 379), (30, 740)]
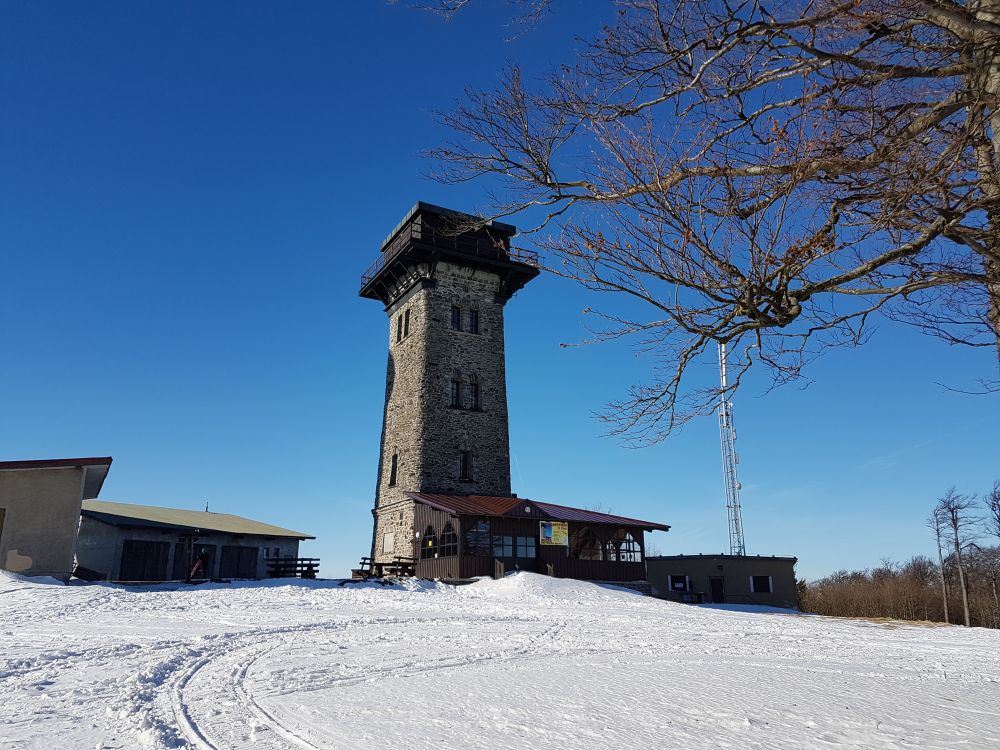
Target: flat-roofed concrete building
[(142, 543), (40, 512), (725, 579)]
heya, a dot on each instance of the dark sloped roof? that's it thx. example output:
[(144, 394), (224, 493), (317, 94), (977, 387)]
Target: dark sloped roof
[(95, 469), (126, 514), (490, 505)]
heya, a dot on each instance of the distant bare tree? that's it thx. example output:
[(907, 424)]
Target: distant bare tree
[(992, 502), (953, 510), (766, 174), (936, 523)]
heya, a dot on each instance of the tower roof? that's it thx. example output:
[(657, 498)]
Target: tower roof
[(428, 234)]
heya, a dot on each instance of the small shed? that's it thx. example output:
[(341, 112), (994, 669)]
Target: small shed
[(725, 579), (126, 542), (464, 536), (40, 511)]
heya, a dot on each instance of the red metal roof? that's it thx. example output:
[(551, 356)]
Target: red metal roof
[(488, 505)]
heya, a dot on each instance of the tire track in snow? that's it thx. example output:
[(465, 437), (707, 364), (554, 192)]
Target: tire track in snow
[(223, 674)]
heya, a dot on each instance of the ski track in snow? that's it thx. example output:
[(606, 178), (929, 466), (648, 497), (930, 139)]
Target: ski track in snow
[(527, 662)]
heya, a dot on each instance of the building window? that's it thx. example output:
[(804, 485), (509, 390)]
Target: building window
[(477, 538), (456, 318), (394, 466), (473, 321), (624, 547), (449, 542), (678, 583), (465, 465), (399, 327), (474, 402), (584, 545), (456, 393), (503, 546), (526, 546), (428, 544), (760, 585), (406, 322)]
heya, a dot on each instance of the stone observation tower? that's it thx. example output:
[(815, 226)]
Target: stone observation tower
[(444, 278)]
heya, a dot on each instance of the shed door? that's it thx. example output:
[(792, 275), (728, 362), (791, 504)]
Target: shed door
[(144, 561), (238, 562)]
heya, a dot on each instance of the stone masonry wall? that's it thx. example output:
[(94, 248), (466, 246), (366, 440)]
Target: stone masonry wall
[(420, 426)]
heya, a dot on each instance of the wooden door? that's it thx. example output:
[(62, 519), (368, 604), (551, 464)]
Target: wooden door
[(144, 560), (238, 562)]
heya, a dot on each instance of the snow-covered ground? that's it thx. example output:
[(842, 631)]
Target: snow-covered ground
[(527, 662)]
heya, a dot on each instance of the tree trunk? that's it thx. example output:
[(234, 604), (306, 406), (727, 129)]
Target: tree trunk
[(944, 586), (961, 577)]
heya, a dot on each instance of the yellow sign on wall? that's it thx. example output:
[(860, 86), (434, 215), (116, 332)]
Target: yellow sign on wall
[(553, 533)]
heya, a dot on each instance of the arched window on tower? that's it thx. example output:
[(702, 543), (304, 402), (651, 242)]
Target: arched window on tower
[(429, 544), (475, 403)]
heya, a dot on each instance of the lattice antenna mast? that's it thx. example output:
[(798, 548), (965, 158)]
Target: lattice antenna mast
[(727, 434)]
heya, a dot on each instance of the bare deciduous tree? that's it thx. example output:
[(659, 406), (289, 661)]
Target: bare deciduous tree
[(992, 502), (952, 509), (765, 174)]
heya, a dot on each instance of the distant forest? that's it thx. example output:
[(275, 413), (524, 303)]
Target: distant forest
[(960, 588)]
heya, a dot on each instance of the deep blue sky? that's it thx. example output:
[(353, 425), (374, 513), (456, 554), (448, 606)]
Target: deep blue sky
[(189, 193)]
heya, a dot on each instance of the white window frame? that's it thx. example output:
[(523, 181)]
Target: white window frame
[(770, 585), (687, 582)]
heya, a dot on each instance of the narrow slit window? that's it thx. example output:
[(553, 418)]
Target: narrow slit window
[(399, 327), (394, 466), (474, 402), (406, 322), (473, 321), (465, 465), (456, 318), (456, 393)]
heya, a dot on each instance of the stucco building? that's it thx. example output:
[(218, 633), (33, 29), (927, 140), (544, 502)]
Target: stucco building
[(141, 543), (40, 512), (725, 579), (443, 488)]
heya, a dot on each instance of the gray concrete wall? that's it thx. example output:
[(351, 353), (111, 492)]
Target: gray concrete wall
[(420, 427), (96, 545), (42, 514), (735, 572)]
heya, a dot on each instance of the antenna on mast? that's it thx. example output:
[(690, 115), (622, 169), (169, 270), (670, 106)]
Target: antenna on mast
[(727, 434)]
